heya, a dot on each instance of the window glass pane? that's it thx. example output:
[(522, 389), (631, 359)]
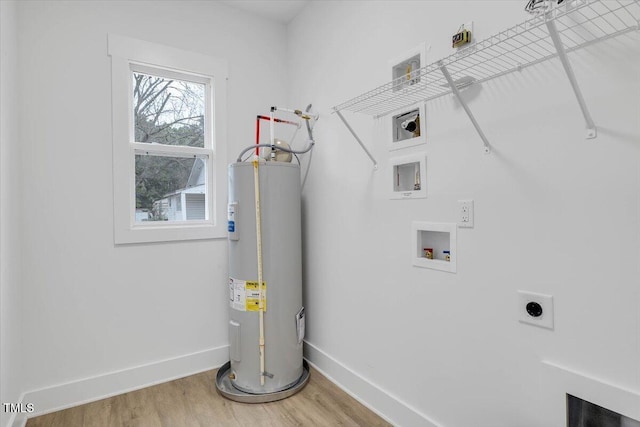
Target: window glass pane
[(170, 188), (168, 111)]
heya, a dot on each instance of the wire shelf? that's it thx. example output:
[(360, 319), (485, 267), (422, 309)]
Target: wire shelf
[(579, 24)]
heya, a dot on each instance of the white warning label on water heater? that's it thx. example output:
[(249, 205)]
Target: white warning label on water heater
[(244, 295), (237, 294)]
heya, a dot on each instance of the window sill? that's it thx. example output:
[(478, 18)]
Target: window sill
[(168, 233)]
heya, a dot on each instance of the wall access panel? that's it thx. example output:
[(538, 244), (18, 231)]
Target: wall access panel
[(408, 127), (434, 245), (405, 67), (408, 177)]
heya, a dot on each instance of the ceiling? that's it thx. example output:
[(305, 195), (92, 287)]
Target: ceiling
[(282, 11)]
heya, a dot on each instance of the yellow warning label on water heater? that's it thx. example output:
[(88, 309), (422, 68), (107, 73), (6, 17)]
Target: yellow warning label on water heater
[(252, 298), (244, 295)]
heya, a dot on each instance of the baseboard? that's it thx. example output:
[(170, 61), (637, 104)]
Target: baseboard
[(99, 387), (62, 396), (369, 394)]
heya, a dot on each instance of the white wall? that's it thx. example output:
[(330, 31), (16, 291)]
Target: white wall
[(97, 317), (554, 213), (10, 325)]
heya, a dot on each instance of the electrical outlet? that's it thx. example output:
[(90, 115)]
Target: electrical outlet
[(463, 36), (464, 49), (465, 213), (535, 309)]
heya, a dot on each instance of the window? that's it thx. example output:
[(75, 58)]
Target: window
[(169, 159)]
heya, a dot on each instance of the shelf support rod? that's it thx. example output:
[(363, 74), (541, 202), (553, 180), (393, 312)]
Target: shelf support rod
[(456, 92), (375, 164), (562, 54)]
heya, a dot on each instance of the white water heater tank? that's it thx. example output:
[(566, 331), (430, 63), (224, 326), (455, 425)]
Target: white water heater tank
[(282, 277)]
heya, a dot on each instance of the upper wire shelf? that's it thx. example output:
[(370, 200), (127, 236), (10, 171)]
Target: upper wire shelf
[(579, 24)]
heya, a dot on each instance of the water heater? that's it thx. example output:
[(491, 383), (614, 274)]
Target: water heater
[(284, 372)]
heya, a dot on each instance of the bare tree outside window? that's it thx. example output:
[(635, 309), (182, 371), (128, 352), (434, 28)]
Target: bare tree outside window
[(168, 111)]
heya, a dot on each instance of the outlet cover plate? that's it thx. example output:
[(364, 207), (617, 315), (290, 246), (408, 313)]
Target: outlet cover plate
[(546, 302), (465, 213)]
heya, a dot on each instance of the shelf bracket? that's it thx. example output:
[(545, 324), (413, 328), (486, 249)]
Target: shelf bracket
[(456, 92), (562, 54), (375, 164)]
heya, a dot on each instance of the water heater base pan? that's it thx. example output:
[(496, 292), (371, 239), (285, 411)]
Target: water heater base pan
[(225, 388)]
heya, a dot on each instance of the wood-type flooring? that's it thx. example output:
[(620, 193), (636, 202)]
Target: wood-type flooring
[(194, 402)]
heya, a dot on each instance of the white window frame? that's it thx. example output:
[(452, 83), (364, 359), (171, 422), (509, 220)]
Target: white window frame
[(128, 55)]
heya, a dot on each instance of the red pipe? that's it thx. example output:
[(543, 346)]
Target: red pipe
[(258, 118), (277, 120), (257, 136)]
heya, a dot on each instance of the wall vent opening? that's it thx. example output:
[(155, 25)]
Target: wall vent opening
[(581, 413)]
